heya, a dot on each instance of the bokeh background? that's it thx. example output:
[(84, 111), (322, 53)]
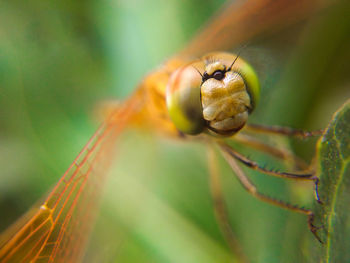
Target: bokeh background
[(59, 60)]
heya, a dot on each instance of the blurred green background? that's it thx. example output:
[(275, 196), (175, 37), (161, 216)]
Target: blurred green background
[(58, 60)]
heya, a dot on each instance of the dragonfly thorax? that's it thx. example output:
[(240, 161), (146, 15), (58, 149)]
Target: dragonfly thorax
[(214, 94)]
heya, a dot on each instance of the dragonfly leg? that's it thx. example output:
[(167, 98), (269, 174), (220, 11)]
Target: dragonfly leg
[(220, 208), (257, 128), (309, 176), (281, 153), (252, 189)]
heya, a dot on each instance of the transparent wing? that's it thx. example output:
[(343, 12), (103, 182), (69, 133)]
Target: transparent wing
[(240, 22), (57, 231)]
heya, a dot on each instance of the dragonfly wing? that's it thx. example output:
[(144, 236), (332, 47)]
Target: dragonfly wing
[(57, 231), (242, 21)]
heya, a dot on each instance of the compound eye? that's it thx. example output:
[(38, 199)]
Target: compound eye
[(219, 75), (183, 98)]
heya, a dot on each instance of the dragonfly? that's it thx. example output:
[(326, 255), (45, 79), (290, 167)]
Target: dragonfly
[(50, 231)]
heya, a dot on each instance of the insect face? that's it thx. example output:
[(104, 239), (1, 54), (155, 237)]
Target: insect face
[(213, 94)]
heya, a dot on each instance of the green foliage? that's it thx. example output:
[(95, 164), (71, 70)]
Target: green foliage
[(334, 172), (58, 59)]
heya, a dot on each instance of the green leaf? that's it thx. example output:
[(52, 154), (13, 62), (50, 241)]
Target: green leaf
[(334, 171)]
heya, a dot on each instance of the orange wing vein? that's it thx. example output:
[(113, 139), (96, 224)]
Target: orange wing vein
[(59, 229)]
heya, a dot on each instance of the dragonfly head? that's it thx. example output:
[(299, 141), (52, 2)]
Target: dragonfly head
[(215, 94)]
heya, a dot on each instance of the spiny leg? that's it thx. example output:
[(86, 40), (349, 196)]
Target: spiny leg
[(251, 188), (255, 166), (280, 153), (220, 208), (257, 128)]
